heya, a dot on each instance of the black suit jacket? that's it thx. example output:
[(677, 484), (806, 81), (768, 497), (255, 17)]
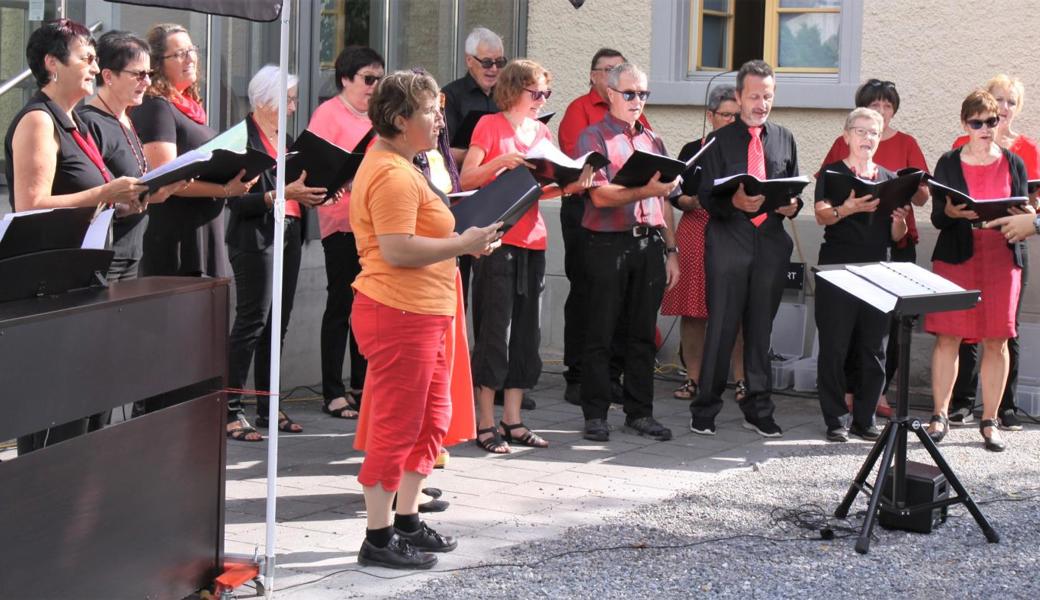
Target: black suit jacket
[(251, 224), (954, 244)]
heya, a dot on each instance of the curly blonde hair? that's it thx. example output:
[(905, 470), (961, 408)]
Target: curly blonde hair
[(161, 87)]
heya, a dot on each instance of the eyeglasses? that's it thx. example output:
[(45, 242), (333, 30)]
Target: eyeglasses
[(371, 79), (90, 59), (603, 69), (978, 123), (487, 63), (726, 115), (182, 54), (139, 75), (863, 132), (631, 95), (538, 94)]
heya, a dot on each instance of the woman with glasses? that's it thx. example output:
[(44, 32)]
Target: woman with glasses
[(687, 299), (125, 75), (975, 258), (848, 327), (507, 285), (343, 120)]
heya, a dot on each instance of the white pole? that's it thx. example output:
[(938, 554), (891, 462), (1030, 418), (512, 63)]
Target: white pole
[(276, 304)]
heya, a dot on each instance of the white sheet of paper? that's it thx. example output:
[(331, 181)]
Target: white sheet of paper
[(890, 280), (192, 156), (97, 234), (860, 288), (924, 276)]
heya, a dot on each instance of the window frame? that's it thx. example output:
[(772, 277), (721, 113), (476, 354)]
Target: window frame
[(771, 35), (673, 83), (729, 16)]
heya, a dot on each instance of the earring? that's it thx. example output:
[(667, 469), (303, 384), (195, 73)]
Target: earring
[(54, 77)]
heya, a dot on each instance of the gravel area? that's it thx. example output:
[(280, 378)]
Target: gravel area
[(953, 562)]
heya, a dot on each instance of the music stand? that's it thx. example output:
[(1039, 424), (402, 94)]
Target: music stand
[(907, 291)]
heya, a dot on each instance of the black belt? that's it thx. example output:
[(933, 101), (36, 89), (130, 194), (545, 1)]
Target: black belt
[(638, 231)]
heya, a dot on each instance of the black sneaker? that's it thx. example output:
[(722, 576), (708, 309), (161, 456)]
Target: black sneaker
[(869, 433), (427, 539), (766, 427), (649, 427), (838, 434), (572, 395), (702, 426), (398, 554), (1009, 421), (961, 416), (597, 430)]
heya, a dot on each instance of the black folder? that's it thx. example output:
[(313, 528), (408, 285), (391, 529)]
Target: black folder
[(218, 166), (56, 229), (328, 166), (553, 166), (893, 194), (639, 169), (462, 136), (1033, 184), (778, 192), (505, 199), (987, 210)]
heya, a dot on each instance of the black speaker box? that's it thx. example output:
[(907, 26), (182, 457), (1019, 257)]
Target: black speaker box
[(924, 484)]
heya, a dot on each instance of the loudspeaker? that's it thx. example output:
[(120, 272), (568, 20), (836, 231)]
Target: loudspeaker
[(924, 484)]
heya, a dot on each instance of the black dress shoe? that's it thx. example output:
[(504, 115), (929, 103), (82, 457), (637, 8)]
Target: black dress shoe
[(992, 444), (398, 554), (937, 436), (649, 427), (427, 539), (597, 430)]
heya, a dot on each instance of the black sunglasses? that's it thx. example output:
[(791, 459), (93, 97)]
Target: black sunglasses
[(487, 63), (139, 75), (632, 94), (538, 94), (370, 79), (978, 123)]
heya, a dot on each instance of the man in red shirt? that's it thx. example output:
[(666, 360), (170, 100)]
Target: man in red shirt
[(585, 110)]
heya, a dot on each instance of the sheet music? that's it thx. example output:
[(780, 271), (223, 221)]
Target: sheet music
[(235, 139), (546, 150), (904, 279), (860, 288), (925, 277), (192, 156), (97, 234)]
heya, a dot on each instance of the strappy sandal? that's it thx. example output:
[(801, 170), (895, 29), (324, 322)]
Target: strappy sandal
[(348, 411), (284, 423), (686, 391), (244, 432), (530, 439), (493, 444), (937, 436), (740, 390)]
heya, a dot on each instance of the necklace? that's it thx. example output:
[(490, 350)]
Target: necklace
[(357, 113), (142, 162)]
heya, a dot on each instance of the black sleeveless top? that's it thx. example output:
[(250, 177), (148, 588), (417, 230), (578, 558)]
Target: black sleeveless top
[(74, 171)]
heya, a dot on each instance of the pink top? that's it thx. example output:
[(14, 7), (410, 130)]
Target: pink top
[(988, 182), (334, 122), (495, 136)]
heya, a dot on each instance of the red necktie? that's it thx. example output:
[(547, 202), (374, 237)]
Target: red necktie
[(756, 164)]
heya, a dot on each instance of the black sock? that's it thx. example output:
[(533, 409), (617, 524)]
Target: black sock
[(379, 537), (407, 523)]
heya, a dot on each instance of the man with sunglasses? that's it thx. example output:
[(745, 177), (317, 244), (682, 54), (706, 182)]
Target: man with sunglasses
[(630, 257), (485, 59), (583, 111), (746, 256)]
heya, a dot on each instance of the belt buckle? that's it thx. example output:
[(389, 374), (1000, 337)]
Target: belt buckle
[(640, 231)]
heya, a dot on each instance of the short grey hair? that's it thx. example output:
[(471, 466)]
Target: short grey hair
[(263, 87), (482, 36), (865, 113), (614, 76), (721, 94)]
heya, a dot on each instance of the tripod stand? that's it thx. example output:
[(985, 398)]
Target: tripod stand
[(893, 441)]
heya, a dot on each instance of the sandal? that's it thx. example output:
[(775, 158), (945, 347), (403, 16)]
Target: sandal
[(530, 439), (686, 391), (493, 444), (284, 423), (938, 435), (993, 441), (350, 410), (740, 390), (244, 432)]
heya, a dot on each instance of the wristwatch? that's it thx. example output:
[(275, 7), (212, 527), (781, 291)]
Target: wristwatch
[(673, 250), (837, 215)]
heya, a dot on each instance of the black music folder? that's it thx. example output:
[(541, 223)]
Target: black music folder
[(47, 229), (462, 136), (1033, 184), (639, 169), (778, 192), (217, 166), (893, 194), (987, 210), (505, 199), (553, 166), (327, 165)]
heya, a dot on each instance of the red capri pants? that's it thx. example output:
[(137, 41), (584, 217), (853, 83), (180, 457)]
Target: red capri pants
[(406, 390)]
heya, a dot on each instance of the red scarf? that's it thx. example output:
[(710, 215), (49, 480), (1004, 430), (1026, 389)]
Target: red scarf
[(87, 145), (191, 109), (292, 207)]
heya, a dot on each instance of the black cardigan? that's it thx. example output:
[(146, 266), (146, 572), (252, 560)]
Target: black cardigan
[(955, 243), (251, 222)]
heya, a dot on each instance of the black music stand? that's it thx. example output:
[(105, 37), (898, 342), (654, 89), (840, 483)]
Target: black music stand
[(907, 291)]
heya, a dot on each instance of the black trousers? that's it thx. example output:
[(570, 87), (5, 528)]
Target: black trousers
[(626, 276), (574, 309), (849, 328), (746, 270), (968, 377), (507, 294), (465, 269), (250, 341), (341, 267)]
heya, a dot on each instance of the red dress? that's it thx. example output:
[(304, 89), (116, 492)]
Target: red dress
[(688, 297), (991, 269)]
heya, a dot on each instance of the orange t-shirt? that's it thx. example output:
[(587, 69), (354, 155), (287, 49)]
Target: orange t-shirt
[(391, 196)]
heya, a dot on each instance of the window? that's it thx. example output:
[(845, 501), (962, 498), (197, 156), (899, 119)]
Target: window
[(813, 45)]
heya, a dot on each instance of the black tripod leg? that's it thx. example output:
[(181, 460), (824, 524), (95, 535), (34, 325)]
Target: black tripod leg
[(991, 534), (868, 465), (863, 542)]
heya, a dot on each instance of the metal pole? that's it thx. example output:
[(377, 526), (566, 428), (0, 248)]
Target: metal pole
[(276, 305)]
